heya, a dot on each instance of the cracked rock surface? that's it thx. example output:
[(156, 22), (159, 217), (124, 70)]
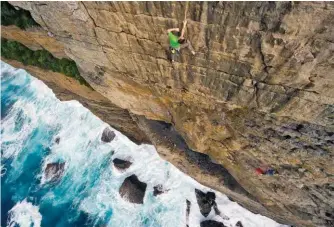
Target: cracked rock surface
[(259, 91)]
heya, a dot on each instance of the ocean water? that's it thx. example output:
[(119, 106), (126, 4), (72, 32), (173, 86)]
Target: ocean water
[(87, 193)]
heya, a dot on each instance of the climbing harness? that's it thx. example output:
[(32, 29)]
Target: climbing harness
[(173, 53)]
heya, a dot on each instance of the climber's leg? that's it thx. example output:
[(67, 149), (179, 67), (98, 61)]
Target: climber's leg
[(191, 48), (188, 45)]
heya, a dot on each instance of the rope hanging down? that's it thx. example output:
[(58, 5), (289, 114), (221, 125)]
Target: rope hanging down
[(185, 16), (186, 11)]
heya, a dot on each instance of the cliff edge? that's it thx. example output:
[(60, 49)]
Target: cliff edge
[(258, 92)]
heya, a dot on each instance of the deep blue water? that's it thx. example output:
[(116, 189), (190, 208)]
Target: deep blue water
[(21, 180), (86, 194), (32, 118)]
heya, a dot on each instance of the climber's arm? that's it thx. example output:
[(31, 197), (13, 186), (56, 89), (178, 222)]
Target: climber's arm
[(173, 30), (183, 29)]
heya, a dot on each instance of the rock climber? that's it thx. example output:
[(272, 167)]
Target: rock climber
[(265, 171), (178, 42), (50, 34)]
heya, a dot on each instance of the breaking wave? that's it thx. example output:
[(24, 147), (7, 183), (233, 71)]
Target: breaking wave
[(87, 194)]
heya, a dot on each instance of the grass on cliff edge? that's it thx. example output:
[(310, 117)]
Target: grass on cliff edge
[(41, 58), (21, 18)]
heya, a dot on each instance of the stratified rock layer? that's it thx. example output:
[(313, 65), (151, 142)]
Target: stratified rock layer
[(67, 88), (260, 90)]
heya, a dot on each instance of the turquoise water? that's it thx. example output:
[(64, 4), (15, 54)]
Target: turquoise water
[(87, 193)]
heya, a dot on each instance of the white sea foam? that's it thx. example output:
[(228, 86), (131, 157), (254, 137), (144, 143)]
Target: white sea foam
[(24, 214), (85, 155)]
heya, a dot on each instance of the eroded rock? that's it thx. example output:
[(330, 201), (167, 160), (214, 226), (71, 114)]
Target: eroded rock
[(121, 164), (107, 135), (243, 72), (159, 189), (133, 189), (205, 201), (188, 212), (239, 224), (54, 171), (212, 223)]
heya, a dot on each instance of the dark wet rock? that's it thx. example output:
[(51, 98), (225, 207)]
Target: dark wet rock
[(167, 134), (107, 135), (159, 189), (54, 171), (57, 140), (133, 190), (215, 207), (121, 164), (212, 223), (188, 212), (239, 224), (205, 201), (264, 72)]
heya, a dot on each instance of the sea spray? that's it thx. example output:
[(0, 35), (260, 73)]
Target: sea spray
[(38, 129), (24, 214)]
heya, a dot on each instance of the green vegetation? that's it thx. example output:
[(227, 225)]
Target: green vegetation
[(41, 58), (21, 18)]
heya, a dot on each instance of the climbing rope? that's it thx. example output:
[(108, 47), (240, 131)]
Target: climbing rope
[(185, 16), (186, 11)]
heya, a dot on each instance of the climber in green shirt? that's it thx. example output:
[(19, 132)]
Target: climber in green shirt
[(177, 43)]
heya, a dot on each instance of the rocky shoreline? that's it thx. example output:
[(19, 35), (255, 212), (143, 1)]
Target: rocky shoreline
[(259, 92)]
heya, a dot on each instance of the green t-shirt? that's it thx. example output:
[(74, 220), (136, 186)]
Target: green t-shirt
[(173, 40)]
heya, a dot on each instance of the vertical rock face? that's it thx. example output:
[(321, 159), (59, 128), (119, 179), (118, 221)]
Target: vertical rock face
[(260, 90)]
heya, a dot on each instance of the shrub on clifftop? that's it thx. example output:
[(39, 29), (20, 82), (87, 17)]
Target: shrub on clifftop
[(21, 18), (40, 58)]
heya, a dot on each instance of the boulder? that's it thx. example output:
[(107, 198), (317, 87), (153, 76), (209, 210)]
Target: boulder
[(239, 224), (107, 135), (133, 190), (254, 66), (57, 140), (188, 212), (121, 164), (212, 223), (158, 189), (54, 171), (205, 201)]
